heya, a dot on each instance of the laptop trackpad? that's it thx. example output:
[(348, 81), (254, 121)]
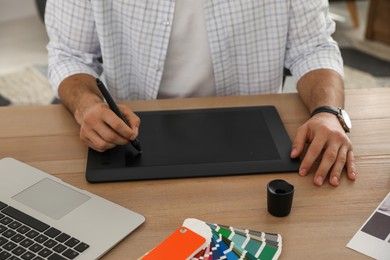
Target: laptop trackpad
[(51, 198)]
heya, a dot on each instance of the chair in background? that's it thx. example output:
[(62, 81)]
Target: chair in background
[(351, 4)]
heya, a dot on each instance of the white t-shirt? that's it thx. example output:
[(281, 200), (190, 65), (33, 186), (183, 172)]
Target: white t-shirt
[(188, 70)]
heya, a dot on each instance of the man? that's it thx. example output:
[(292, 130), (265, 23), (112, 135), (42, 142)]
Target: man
[(168, 49)]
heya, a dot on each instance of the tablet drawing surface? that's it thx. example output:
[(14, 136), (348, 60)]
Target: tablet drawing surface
[(199, 143)]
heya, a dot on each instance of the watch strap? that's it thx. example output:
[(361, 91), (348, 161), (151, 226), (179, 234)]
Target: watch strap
[(327, 109), (337, 112)]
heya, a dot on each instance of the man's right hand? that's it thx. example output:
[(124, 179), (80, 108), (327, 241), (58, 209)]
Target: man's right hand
[(100, 127)]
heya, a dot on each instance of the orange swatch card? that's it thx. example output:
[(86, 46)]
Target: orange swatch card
[(183, 243)]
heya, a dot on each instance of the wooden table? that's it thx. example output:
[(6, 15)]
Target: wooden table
[(322, 221)]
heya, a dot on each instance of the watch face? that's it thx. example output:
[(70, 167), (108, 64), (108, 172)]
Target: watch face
[(346, 118)]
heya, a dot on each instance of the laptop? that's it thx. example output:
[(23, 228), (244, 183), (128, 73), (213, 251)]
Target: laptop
[(41, 216)]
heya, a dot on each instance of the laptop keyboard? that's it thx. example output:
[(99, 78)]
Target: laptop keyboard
[(24, 237)]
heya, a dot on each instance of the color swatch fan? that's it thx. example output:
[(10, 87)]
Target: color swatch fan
[(198, 240)]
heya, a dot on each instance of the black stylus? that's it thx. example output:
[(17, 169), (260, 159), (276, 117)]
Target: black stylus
[(111, 103)]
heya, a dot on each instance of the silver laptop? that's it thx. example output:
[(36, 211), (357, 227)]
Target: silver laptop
[(40, 215)]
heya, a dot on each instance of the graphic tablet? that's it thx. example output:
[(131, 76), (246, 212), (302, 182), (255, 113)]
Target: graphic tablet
[(199, 143)]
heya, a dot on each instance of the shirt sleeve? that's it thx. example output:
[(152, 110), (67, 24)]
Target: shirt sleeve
[(309, 42), (73, 43)]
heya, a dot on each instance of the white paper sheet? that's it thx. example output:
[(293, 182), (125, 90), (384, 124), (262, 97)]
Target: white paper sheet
[(373, 238)]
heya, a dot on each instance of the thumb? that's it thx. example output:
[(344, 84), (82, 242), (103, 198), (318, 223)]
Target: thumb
[(299, 142)]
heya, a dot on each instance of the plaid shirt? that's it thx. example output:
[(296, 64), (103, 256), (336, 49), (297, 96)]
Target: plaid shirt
[(250, 42)]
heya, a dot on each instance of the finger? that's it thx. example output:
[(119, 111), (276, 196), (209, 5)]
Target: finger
[(313, 152), (351, 167), (97, 143), (328, 162), (299, 142), (99, 134), (95, 131), (115, 129), (111, 135), (133, 120), (338, 166)]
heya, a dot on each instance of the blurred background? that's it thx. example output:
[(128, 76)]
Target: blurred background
[(362, 32)]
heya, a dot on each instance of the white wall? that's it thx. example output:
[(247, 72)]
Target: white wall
[(16, 9)]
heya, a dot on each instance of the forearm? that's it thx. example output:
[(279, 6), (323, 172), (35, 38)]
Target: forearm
[(321, 88), (322, 136), (78, 92)]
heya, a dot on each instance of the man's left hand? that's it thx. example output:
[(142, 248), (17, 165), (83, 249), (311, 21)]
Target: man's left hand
[(328, 142)]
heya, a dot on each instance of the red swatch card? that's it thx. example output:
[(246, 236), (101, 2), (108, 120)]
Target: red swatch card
[(183, 243)]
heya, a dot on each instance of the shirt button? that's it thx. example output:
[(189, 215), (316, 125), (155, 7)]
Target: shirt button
[(166, 22), (157, 67)]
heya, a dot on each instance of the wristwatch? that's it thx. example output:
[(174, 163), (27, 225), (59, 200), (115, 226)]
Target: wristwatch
[(341, 114)]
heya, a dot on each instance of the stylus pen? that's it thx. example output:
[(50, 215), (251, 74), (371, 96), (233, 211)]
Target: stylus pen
[(111, 103)]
